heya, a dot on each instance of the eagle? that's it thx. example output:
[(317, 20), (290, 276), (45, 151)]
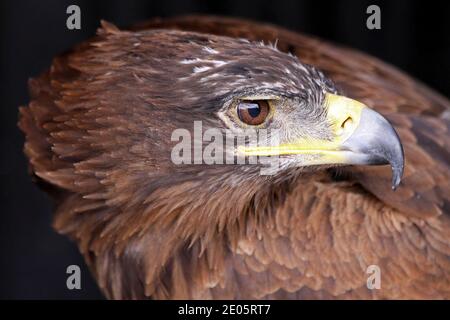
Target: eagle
[(362, 181)]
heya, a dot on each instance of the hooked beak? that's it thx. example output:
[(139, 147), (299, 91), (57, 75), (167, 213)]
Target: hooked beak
[(361, 136)]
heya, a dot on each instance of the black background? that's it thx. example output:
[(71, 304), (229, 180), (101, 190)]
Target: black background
[(414, 36)]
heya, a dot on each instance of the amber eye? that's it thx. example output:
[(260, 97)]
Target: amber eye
[(253, 112)]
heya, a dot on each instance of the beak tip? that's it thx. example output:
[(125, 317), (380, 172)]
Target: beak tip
[(398, 163), (397, 173), (395, 184)]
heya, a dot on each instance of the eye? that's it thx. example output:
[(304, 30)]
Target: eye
[(253, 112)]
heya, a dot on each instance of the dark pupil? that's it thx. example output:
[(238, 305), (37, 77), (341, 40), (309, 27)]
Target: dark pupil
[(253, 109)]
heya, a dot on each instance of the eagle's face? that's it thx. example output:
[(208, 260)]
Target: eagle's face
[(241, 88)]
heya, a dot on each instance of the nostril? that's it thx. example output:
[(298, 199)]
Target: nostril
[(347, 123), (345, 126)]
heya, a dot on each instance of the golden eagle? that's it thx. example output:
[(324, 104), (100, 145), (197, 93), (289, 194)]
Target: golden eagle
[(98, 138)]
